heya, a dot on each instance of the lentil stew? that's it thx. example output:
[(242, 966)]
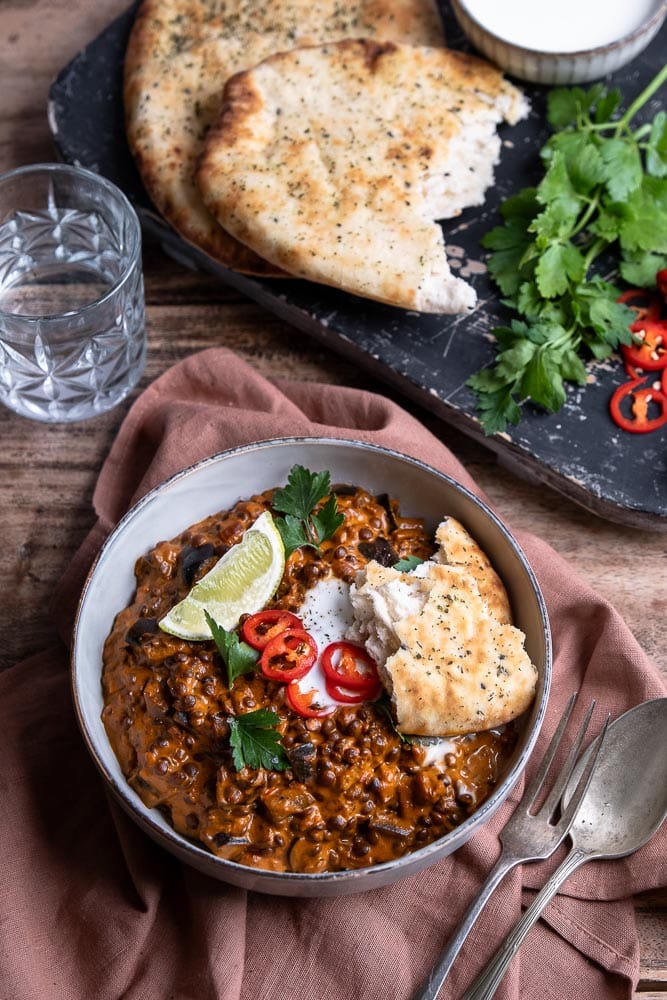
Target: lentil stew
[(356, 792)]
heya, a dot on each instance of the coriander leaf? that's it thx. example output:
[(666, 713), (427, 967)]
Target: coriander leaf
[(510, 242), (564, 106), (572, 367), (606, 105), (639, 269), (556, 188), (292, 532), (255, 741), (623, 167), (408, 564), (238, 657), (298, 500), (644, 223), (542, 380), (328, 520), (304, 489), (581, 153), (497, 407), (656, 152), (559, 264)]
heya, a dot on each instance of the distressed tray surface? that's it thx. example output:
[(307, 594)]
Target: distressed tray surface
[(578, 451)]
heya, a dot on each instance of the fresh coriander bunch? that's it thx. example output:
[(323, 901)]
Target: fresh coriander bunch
[(604, 191)]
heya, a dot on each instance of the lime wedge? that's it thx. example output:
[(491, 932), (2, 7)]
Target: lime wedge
[(241, 582)]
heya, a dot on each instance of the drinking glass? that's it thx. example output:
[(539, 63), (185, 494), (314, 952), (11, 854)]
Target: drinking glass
[(72, 325)]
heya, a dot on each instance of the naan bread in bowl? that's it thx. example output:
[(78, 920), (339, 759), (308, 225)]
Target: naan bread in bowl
[(333, 162), (443, 641), (181, 53)]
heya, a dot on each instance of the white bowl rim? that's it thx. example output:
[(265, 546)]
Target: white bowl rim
[(598, 50), (143, 815)]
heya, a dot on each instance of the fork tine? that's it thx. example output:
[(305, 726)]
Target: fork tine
[(556, 792), (536, 784), (584, 779)]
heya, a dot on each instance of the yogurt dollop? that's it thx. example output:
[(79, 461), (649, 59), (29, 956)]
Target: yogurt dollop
[(566, 26)]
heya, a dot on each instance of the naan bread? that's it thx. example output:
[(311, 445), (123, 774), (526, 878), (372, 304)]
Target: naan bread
[(333, 161), (180, 54), (457, 548), (450, 666)]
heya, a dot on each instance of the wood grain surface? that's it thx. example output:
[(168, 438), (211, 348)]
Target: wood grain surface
[(47, 473)]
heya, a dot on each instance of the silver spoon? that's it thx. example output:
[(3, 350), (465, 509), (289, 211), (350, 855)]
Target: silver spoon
[(625, 804)]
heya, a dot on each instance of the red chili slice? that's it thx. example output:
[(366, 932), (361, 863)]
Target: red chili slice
[(651, 352), (303, 702), (350, 665), (638, 421), (350, 696), (645, 304), (259, 629), (289, 655)]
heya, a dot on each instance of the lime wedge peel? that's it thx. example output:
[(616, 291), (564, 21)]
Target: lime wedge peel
[(241, 582)]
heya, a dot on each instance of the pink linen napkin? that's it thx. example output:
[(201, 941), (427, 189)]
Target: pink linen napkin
[(93, 909)]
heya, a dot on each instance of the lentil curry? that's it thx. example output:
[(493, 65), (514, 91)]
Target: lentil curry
[(356, 793)]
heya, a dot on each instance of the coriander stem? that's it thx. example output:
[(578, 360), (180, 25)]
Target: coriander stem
[(646, 94)]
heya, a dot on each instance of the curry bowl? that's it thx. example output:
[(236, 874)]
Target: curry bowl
[(216, 484)]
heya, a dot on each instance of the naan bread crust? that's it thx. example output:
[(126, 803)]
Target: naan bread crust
[(333, 161), (179, 56)]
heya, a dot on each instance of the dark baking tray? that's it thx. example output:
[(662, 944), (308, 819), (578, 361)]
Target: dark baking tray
[(578, 451)]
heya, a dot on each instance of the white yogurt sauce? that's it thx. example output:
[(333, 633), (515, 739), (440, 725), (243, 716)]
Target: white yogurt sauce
[(327, 614), (566, 26)]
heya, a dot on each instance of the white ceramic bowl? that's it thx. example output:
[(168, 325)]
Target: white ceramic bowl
[(216, 484), (561, 68)]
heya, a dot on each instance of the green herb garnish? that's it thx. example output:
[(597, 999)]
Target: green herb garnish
[(297, 501), (383, 704), (408, 564), (255, 741), (604, 189), (238, 657)]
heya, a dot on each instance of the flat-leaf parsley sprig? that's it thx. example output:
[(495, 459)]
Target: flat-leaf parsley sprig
[(297, 501), (255, 741), (604, 189)]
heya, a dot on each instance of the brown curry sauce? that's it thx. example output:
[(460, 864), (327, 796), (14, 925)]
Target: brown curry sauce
[(356, 793)]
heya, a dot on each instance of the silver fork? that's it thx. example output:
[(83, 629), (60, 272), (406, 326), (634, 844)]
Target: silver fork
[(526, 836)]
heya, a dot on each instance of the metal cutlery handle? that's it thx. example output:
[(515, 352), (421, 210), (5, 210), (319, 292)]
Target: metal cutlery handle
[(441, 970), (486, 984)]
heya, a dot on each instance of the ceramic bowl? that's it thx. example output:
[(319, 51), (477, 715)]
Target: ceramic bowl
[(561, 68), (216, 484)]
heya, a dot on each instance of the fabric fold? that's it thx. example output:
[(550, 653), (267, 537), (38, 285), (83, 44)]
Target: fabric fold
[(109, 914)]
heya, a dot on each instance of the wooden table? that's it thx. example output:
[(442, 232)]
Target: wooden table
[(48, 473)]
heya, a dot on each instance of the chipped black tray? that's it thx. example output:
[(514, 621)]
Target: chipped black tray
[(579, 451)]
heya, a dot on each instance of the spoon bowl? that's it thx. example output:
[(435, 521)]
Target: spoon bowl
[(626, 802)]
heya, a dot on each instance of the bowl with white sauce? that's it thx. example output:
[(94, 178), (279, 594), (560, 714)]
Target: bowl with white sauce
[(574, 41), (221, 483)]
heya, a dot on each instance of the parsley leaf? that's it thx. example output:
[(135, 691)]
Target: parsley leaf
[(255, 741), (238, 657), (408, 564), (305, 522), (604, 189)]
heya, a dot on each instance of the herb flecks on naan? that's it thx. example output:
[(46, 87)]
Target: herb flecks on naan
[(334, 161), (179, 56)]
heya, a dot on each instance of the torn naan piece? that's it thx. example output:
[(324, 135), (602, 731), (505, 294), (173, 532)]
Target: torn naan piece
[(334, 162), (458, 548), (181, 53), (448, 664)]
